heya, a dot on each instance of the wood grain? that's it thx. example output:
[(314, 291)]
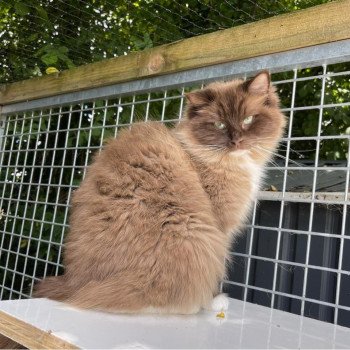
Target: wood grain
[(30, 336), (317, 25)]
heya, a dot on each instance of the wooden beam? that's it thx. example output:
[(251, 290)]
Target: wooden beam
[(28, 335), (316, 25)]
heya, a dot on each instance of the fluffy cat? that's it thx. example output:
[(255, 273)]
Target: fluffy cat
[(152, 223)]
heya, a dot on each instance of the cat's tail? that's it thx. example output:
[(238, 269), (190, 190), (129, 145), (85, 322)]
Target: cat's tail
[(54, 288), (122, 295)]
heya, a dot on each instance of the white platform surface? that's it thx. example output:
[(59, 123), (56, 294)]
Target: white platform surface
[(245, 326)]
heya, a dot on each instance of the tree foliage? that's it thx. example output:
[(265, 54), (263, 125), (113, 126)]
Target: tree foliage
[(36, 34)]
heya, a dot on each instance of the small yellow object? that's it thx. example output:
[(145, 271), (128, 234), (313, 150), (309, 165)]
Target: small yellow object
[(51, 70), (220, 315), (273, 188)]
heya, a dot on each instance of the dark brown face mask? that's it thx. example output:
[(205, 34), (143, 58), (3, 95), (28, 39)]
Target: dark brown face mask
[(236, 115)]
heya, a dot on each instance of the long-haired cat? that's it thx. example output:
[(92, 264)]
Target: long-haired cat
[(152, 223)]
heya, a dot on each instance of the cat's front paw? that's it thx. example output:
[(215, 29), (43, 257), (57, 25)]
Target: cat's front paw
[(220, 303)]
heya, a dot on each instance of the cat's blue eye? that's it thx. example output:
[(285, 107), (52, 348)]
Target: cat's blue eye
[(220, 125)]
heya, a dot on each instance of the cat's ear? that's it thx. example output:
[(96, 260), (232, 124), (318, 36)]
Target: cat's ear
[(259, 85), (200, 97)]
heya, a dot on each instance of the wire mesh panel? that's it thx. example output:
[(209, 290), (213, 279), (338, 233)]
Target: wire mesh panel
[(293, 253), (45, 155), (292, 257)]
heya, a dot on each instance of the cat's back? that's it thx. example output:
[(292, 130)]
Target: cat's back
[(140, 188), (144, 140), (146, 152), (141, 222), (142, 162)]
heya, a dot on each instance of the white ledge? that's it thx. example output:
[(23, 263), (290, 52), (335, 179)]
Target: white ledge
[(245, 326), (302, 196)]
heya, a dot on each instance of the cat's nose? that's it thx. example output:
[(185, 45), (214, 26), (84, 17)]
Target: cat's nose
[(236, 142)]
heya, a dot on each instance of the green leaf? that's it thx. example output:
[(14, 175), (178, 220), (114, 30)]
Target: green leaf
[(96, 132), (21, 8), (110, 133), (42, 13), (67, 61), (24, 243), (49, 58), (76, 182), (33, 37), (142, 44), (62, 49)]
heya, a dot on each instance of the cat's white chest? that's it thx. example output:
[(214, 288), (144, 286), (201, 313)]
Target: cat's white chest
[(254, 172)]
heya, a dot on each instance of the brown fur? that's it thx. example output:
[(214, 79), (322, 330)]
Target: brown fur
[(152, 222)]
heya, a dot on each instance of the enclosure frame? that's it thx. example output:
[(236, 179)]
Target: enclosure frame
[(295, 44)]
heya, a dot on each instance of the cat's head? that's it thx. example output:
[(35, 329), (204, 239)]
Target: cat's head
[(233, 118)]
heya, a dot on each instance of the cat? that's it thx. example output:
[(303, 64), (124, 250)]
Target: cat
[(153, 221)]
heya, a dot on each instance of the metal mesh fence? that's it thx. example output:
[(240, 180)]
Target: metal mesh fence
[(293, 255)]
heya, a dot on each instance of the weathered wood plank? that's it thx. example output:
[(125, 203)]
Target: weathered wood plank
[(317, 25), (28, 335)]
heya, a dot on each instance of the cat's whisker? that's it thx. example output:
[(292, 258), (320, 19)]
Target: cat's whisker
[(283, 143), (263, 138), (283, 157), (277, 166), (199, 148), (280, 156), (291, 150)]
